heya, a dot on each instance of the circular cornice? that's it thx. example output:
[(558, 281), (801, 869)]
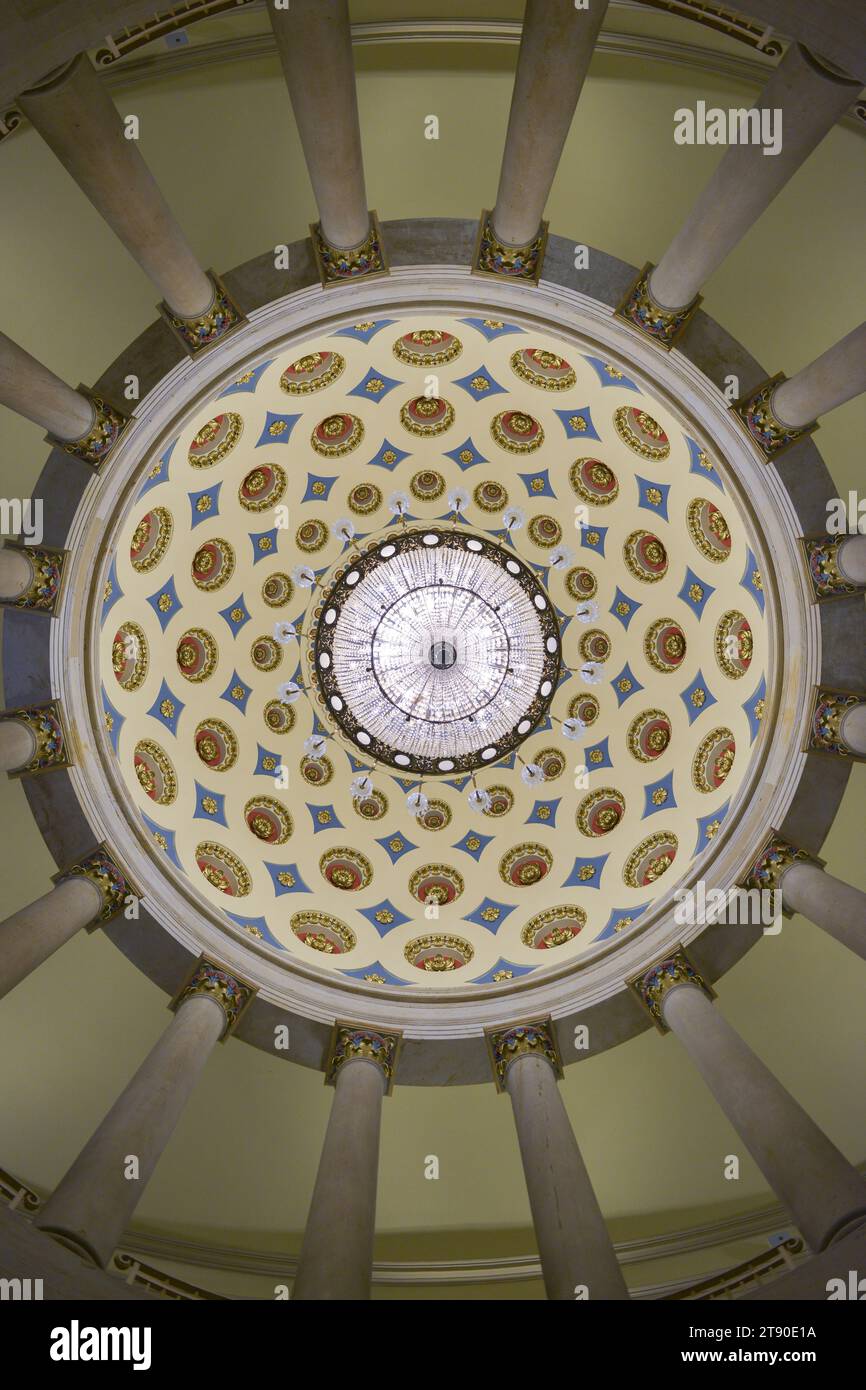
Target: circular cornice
[(597, 987)]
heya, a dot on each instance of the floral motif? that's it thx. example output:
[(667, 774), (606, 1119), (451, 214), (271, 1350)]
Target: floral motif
[(312, 372), (222, 869), (542, 368), (556, 926), (324, 933), (427, 416), (641, 432), (713, 760), (428, 347), (517, 431), (438, 952), (525, 865), (215, 439), (650, 859), (155, 772), (346, 869)]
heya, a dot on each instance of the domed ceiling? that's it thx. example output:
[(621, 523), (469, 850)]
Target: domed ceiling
[(446, 554)]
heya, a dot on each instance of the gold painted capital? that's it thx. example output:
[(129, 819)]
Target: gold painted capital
[(51, 746), (337, 264), (505, 261), (535, 1038), (221, 316), (352, 1042), (638, 309), (652, 985), (212, 982), (101, 869)]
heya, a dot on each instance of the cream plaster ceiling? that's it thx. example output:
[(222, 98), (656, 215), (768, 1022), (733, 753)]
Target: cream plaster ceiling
[(253, 486)]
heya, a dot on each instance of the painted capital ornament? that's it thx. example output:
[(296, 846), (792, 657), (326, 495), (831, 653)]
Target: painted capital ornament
[(51, 748), (206, 328), (775, 859), (46, 574), (652, 986), (755, 413), (821, 555), (654, 320), (336, 264), (100, 869), (212, 982), (825, 727), (505, 261), (532, 1039), (352, 1042), (95, 446)]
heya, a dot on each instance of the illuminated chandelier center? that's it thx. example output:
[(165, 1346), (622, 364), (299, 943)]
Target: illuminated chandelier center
[(437, 651)]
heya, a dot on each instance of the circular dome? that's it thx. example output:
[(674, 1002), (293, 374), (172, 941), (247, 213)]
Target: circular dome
[(436, 651), (590, 658)]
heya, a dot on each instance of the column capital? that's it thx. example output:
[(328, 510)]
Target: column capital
[(336, 264), (640, 310), (821, 558), (47, 567), (51, 746), (219, 318), (493, 256), (756, 415), (778, 854), (212, 982), (107, 426), (829, 708), (653, 984), (356, 1042), (535, 1038), (112, 883)]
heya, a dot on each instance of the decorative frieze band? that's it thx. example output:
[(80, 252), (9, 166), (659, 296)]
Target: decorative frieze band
[(101, 869), (201, 332), (652, 986), (336, 264), (51, 746), (829, 708), (355, 1041), (531, 1039), (106, 429), (641, 311), (212, 982), (755, 413), (506, 262)]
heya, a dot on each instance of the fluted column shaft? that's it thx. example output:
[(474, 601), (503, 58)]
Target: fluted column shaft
[(823, 1191), (836, 376), (17, 745), (573, 1242), (314, 41), (94, 1202), (31, 390), (556, 47), (851, 559), (836, 907), (30, 936), (78, 121), (337, 1252), (15, 574), (746, 180)]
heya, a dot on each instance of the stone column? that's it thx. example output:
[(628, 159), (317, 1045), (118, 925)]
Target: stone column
[(86, 894), (77, 119), (824, 1193), (836, 376), (314, 41), (577, 1256), (83, 425), (337, 1252), (16, 574), (31, 390), (811, 99), (556, 47), (17, 744), (94, 1202), (852, 728), (851, 559), (832, 905)]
